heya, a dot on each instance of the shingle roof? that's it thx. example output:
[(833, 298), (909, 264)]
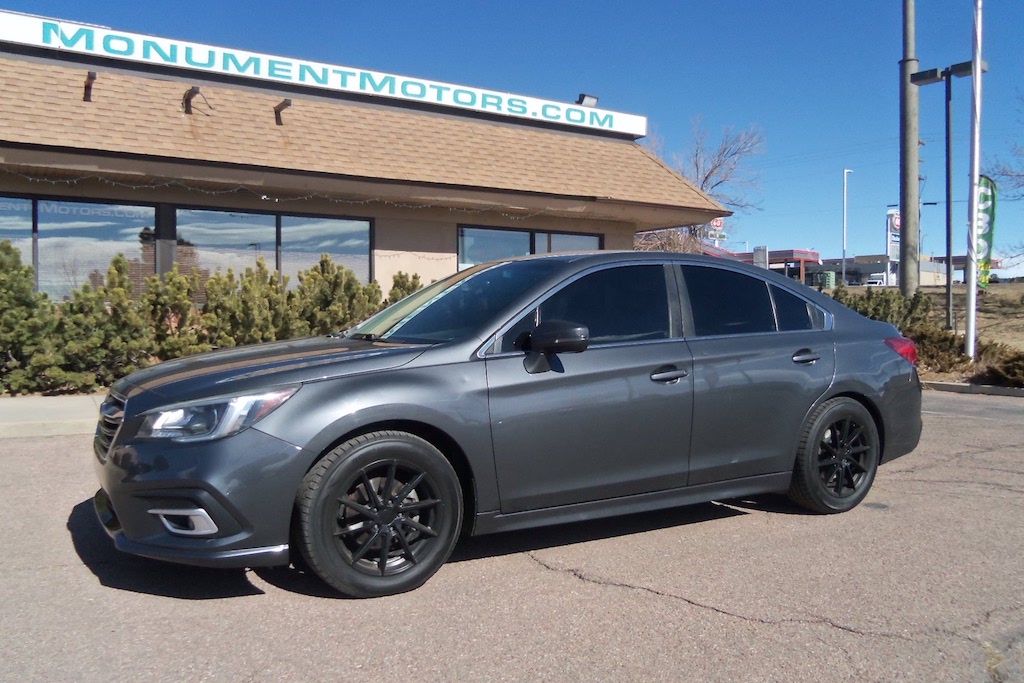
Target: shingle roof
[(141, 114)]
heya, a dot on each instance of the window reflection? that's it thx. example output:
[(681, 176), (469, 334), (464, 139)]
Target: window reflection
[(304, 239), (77, 241), (212, 241), (482, 245)]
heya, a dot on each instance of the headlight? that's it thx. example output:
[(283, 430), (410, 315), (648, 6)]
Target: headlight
[(212, 418)]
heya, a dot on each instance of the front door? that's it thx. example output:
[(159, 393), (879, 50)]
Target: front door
[(611, 421)]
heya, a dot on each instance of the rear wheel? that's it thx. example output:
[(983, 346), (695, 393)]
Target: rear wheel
[(837, 459), (379, 514)]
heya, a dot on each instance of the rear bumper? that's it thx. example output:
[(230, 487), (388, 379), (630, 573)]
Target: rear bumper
[(902, 419)]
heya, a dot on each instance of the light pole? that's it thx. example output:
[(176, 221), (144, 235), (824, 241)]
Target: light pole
[(846, 172), (927, 78)]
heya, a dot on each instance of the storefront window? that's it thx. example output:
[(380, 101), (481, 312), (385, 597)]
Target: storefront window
[(304, 239), (78, 240), (212, 241), (480, 245), (552, 242), (16, 225)]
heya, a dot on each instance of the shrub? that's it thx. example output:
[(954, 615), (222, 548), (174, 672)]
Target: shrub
[(402, 286), (102, 333), (1009, 371), (176, 323), (330, 298), (888, 306), (249, 309), (100, 336), (26, 320)]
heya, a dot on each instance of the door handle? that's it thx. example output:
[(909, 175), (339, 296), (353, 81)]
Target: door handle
[(668, 374), (806, 356)]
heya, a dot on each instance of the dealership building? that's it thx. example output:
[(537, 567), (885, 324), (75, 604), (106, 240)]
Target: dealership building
[(173, 152)]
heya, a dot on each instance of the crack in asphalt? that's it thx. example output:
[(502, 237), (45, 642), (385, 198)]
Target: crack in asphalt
[(960, 482), (815, 619), (936, 461)]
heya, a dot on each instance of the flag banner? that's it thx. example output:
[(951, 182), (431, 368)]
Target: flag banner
[(986, 226)]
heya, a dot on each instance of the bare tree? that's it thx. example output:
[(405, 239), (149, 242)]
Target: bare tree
[(1009, 175), (719, 170)]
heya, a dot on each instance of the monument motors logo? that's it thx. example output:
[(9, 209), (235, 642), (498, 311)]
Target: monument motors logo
[(106, 43)]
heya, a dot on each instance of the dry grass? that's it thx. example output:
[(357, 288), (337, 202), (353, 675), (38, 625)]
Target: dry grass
[(1000, 311)]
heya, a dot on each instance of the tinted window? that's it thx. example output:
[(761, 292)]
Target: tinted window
[(457, 306), (793, 312), (624, 304), (727, 302)]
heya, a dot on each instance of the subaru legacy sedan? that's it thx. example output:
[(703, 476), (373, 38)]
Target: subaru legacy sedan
[(514, 394)]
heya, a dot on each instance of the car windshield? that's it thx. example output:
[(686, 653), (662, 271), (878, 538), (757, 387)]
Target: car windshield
[(455, 307)]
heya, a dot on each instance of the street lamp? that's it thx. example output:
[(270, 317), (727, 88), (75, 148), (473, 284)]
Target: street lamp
[(927, 78), (846, 172)]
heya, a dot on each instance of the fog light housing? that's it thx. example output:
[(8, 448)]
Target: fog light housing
[(187, 522)]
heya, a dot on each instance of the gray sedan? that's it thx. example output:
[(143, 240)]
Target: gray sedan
[(513, 394)]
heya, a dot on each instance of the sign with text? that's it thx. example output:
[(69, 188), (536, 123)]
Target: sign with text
[(106, 43)]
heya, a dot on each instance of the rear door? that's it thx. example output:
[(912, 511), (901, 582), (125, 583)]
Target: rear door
[(762, 356)]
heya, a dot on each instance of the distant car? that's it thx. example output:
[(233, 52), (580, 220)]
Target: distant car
[(510, 395), (875, 282)]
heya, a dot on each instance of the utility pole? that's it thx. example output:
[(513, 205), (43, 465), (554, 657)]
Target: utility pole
[(909, 161)]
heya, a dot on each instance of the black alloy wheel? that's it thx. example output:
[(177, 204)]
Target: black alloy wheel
[(379, 514), (837, 459)]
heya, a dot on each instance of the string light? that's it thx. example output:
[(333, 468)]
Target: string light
[(242, 189)]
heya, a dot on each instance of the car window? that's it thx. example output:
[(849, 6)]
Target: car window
[(457, 306), (794, 313), (727, 302), (622, 304)]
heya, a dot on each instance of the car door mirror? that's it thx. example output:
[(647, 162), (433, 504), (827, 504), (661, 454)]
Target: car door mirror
[(559, 336)]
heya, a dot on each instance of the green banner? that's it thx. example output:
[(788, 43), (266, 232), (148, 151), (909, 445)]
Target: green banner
[(986, 227)]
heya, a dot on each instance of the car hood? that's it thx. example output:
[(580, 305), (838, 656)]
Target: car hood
[(259, 367)]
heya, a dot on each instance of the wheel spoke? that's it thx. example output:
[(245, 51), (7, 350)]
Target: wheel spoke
[(839, 476), (385, 549), (408, 488), (361, 509), (406, 549), (389, 483), (422, 528), (358, 554), (845, 429), (419, 505), (371, 491), (852, 463), (354, 529)]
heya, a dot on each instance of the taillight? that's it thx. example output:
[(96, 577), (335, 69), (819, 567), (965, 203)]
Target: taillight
[(903, 346)]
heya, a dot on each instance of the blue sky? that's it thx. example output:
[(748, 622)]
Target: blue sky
[(819, 79)]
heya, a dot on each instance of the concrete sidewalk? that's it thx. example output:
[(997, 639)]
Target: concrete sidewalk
[(57, 415), (49, 415)]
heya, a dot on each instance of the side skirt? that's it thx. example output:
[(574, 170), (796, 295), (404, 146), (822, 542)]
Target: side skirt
[(494, 522)]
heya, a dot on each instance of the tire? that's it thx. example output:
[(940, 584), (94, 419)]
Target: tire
[(379, 514), (837, 458)]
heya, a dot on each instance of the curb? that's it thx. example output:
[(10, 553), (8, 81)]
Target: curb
[(980, 389)]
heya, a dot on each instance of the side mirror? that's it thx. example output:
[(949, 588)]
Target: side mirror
[(559, 336)]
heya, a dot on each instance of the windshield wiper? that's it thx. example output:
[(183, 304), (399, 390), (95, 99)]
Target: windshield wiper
[(365, 336)]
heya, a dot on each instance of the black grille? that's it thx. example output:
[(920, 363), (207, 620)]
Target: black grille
[(111, 417)]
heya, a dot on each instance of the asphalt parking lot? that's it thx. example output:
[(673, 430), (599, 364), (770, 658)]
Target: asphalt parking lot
[(922, 582)]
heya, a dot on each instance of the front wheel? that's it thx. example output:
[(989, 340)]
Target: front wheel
[(837, 459), (379, 514)]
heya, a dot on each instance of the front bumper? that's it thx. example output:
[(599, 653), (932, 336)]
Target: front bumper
[(223, 503)]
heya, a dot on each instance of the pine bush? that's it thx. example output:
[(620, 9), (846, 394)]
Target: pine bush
[(27, 320)]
